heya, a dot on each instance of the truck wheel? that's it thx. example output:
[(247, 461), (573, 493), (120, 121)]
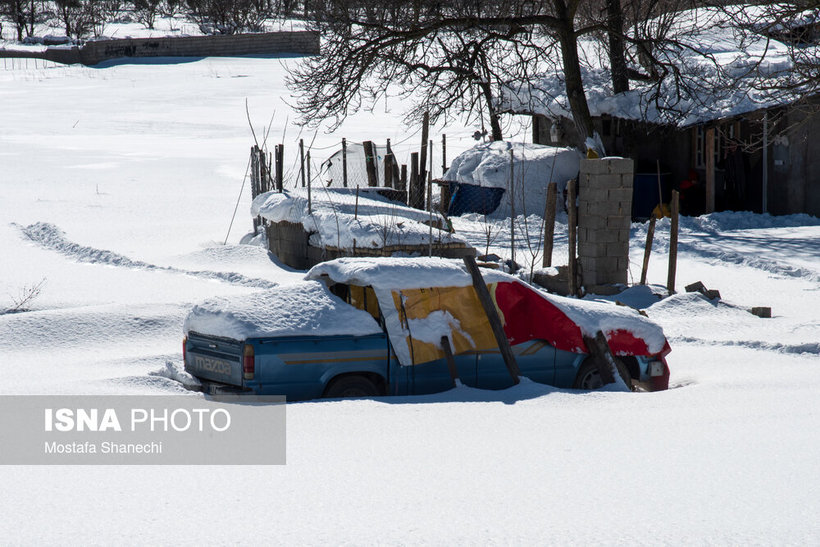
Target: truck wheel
[(588, 376), (351, 386)]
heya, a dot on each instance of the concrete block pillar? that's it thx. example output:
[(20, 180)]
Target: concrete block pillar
[(604, 219)]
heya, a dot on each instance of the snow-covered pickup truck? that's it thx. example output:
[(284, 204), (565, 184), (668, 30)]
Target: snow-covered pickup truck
[(370, 326)]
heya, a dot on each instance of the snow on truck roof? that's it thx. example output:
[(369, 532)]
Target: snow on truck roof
[(400, 272), (303, 309)]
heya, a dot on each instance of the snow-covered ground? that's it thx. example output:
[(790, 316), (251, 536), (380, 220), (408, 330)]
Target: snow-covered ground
[(117, 187)]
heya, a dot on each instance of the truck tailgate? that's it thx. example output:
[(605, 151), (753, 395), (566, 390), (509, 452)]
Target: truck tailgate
[(214, 358)]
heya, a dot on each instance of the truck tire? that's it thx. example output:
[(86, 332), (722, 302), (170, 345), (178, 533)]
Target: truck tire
[(351, 386), (588, 376)]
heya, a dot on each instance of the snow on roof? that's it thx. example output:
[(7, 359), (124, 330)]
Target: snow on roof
[(731, 73), (400, 272), (488, 164), (302, 309), (339, 220)]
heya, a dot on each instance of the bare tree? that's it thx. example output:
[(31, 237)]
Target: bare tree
[(23, 13), (460, 55), (230, 16), (147, 11)]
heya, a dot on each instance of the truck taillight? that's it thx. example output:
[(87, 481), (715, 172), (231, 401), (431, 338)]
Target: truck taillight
[(247, 362)]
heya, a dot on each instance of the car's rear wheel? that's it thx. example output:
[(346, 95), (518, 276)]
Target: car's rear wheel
[(588, 377), (351, 386)]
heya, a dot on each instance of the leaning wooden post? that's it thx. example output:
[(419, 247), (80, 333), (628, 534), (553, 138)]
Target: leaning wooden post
[(302, 160), (571, 224), (549, 223), (492, 316), (344, 162), (370, 163), (650, 235), (356, 207), (310, 204), (673, 243), (451, 362)]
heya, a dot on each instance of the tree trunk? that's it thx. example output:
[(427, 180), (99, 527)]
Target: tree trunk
[(617, 61), (495, 122), (572, 70)]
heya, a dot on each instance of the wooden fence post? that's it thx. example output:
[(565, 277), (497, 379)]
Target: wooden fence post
[(280, 161), (416, 198), (396, 174), (344, 162), (512, 214), (425, 131), (549, 223), (370, 163), (388, 170), (310, 203), (673, 243), (573, 221), (444, 166), (403, 180), (302, 160)]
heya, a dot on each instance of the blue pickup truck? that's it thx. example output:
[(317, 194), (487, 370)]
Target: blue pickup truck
[(368, 327)]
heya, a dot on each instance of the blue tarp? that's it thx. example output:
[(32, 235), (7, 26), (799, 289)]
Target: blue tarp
[(469, 198)]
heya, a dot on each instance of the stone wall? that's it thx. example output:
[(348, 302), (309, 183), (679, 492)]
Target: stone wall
[(604, 219), (290, 243), (95, 52)]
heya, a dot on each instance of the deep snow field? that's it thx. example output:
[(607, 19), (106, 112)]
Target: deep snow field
[(117, 187)]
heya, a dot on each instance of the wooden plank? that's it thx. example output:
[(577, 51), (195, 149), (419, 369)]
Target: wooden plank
[(549, 223), (572, 223), (673, 242), (492, 316), (608, 364), (451, 362), (709, 160), (650, 235), (370, 163)]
